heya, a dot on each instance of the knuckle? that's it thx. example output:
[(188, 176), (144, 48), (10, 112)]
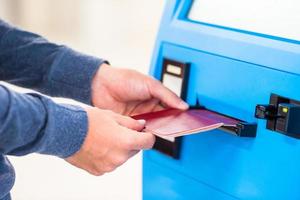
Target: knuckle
[(96, 172), (153, 83), (98, 169), (110, 168), (150, 141), (127, 119), (128, 143), (119, 160)]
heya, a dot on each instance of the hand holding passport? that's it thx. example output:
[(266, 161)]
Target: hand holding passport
[(175, 123)]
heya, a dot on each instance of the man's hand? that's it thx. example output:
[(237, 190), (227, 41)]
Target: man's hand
[(129, 92), (111, 140)]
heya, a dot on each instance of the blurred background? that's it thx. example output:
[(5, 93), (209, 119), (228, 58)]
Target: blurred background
[(121, 31)]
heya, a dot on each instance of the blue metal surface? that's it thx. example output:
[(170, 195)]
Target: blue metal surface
[(231, 72)]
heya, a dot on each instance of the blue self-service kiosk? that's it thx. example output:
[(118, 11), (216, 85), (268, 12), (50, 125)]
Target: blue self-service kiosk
[(239, 59)]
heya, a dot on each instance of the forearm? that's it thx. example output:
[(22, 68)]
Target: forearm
[(28, 60), (32, 123)]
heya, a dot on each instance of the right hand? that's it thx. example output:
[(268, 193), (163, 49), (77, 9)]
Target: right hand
[(111, 140), (129, 92)]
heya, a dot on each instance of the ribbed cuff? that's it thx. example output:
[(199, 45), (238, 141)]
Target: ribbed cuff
[(71, 75), (66, 130)]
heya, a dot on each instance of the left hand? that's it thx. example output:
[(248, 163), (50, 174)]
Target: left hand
[(111, 140), (129, 92)]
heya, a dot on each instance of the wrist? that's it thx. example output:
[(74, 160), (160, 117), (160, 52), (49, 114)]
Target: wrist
[(98, 81), (71, 74)]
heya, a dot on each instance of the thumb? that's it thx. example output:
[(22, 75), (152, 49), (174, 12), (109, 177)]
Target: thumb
[(131, 123), (165, 95)]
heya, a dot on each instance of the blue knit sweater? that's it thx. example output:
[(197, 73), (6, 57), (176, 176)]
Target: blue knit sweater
[(31, 122)]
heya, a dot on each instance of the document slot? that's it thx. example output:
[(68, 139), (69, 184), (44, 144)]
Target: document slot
[(170, 124), (175, 77)]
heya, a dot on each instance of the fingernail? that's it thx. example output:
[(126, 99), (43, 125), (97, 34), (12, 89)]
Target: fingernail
[(183, 105), (142, 121)]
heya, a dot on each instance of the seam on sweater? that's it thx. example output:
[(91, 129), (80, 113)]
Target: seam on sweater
[(57, 57)]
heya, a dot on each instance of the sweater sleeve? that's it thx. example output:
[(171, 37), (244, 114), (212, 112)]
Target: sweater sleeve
[(33, 123), (28, 60)]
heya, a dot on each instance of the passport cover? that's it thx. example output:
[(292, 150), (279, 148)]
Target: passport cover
[(175, 123)]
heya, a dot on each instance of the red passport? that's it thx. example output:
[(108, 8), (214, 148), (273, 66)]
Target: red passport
[(174, 123)]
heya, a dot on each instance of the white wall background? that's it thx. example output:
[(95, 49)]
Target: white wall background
[(122, 31)]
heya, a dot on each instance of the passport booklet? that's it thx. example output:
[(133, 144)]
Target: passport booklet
[(175, 123)]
